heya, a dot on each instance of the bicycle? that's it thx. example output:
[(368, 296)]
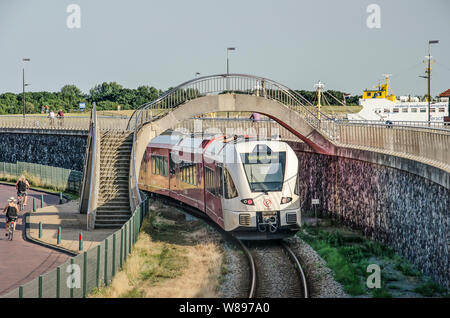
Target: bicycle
[(11, 226), (20, 200)]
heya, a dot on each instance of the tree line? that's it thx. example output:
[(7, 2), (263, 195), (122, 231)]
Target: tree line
[(106, 95)]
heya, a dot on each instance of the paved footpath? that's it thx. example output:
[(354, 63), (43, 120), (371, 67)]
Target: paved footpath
[(20, 260), (71, 222)]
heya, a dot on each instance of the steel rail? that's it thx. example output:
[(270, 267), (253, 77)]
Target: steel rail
[(302, 275), (251, 261)]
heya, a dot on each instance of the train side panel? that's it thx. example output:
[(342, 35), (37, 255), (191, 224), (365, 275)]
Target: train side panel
[(154, 172)]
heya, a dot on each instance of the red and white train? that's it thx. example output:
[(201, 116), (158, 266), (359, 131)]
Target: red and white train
[(247, 186)]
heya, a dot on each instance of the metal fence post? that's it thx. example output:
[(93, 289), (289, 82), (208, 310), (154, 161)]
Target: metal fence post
[(84, 274), (58, 282), (42, 201), (34, 205), (106, 262), (71, 286), (125, 254), (60, 198), (40, 229), (21, 292), (129, 239), (98, 267), (40, 286), (121, 248), (113, 271)]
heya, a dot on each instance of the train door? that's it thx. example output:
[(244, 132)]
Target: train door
[(219, 186), (213, 192), (173, 186)]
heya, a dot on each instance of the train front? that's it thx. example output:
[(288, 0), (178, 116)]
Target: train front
[(267, 204)]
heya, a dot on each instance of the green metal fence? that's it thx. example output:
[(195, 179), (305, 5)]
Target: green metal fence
[(78, 276), (42, 176)]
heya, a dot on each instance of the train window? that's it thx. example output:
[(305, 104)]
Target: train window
[(395, 110), (188, 172), (209, 181), (230, 191), (441, 110), (423, 110), (153, 165), (265, 172), (413, 110), (159, 165), (219, 180), (404, 110), (432, 110)]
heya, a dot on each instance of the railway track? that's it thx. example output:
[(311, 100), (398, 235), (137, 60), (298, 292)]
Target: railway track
[(274, 269)]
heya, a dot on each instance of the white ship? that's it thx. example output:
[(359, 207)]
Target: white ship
[(378, 104)]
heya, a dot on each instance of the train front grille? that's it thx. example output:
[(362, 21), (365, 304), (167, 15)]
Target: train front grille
[(244, 219), (291, 218)]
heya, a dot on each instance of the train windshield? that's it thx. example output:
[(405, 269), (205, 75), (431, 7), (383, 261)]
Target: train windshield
[(265, 171)]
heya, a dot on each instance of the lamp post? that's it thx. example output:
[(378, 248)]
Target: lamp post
[(429, 77), (228, 59), (228, 65), (197, 74), (23, 82)]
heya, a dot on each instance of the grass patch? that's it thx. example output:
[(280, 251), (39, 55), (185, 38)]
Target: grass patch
[(173, 257), (348, 255), (429, 289)]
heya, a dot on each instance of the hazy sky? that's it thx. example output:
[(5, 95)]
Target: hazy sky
[(163, 43)]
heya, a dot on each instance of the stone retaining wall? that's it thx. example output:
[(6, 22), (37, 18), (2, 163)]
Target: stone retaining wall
[(399, 208), (57, 149)]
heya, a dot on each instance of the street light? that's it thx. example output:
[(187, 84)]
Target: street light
[(228, 59), (23, 82), (197, 74), (429, 76)]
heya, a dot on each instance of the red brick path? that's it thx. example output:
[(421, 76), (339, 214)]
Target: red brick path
[(20, 260)]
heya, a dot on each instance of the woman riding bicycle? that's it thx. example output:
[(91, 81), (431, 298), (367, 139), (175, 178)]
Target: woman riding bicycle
[(11, 213), (22, 186)]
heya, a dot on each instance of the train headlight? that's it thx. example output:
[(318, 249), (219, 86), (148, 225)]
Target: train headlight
[(285, 200), (248, 201)]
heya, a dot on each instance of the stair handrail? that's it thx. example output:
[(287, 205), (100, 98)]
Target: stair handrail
[(89, 171)]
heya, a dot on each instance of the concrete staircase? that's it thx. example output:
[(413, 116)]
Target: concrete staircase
[(113, 208)]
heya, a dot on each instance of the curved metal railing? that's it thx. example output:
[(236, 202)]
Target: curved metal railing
[(91, 159), (221, 84)]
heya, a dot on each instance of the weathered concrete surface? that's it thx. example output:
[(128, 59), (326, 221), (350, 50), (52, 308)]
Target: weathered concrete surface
[(399, 202), (64, 149)]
